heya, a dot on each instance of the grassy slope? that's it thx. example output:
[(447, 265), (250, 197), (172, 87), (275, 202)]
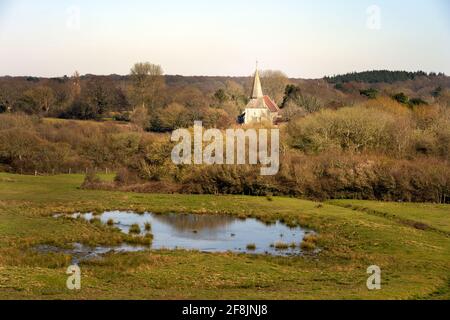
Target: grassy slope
[(433, 215), (414, 263)]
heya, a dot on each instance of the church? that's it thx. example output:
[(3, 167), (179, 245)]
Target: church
[(261, 108)]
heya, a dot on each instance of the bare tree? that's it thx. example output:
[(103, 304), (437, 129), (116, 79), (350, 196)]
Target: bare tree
[(140, 117), (148, 83), (274, 83), (75, 85)]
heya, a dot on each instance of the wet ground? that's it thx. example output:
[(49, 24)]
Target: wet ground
[(205, 233)]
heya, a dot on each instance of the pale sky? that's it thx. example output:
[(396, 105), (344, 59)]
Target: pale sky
[(303, 38)]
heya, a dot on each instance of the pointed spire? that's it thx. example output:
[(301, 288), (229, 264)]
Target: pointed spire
[(257, 89)]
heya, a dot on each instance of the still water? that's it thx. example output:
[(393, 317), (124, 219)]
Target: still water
[(209, 233)]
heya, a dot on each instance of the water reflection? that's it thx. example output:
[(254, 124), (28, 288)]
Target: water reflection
[(188, 223), (80, 252), (209, 233)]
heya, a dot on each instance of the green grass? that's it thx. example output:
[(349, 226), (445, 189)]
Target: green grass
[(433, 215), (414, 262)]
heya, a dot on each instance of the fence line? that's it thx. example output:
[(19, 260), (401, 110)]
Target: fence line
[(70, 171)]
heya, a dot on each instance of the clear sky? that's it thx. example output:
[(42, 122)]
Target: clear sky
[(303, 38)]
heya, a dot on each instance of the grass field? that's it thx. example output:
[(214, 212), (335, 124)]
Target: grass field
[(414, 258)]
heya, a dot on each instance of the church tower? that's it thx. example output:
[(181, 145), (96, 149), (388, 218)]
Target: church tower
[(261, 108), (257, 89)]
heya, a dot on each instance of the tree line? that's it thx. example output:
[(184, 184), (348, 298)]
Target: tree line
[(377, 76), (159, 103), (380, 149)]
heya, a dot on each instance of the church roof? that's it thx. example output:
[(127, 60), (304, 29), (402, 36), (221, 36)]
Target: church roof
[(271, 105), (263, 102)]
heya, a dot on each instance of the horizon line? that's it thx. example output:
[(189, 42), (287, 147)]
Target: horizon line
[(220, 76)]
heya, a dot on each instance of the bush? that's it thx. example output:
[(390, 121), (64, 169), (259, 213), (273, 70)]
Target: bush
[(91, 179), (125, 177), (401, 98), (281, 246), (417, 102), (81, 110), (135, 229), (370, 93), (356, 129), (309, 242), (123, 117)]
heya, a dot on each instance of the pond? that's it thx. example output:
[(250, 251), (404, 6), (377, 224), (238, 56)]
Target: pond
[(206, 233)]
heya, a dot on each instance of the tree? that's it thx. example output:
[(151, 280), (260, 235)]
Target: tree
[(148, 83), (140, 117), (294, 96), (4, 103), (291, 111), (377, 76), (119, 100), (75, 85), (274, 83), (172, 117), (43, 97), (82, 110), (437, 92), (98, 96), (26, 104), (191, 97), (291, 93), (235, 90), (221, 96)]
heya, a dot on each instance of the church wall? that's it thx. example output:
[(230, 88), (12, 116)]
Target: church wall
[(256, 115)]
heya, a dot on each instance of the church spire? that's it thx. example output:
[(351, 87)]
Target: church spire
[(257, 89)]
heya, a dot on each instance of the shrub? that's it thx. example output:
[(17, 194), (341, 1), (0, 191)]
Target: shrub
[(91, 179), (135, 229), (401, 98), (417, 102), (125, 177), (82, 110), (96, 221), (281, 246), (370, 93), (356, 129), (124, 117), (309, 242), (307, 246)]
